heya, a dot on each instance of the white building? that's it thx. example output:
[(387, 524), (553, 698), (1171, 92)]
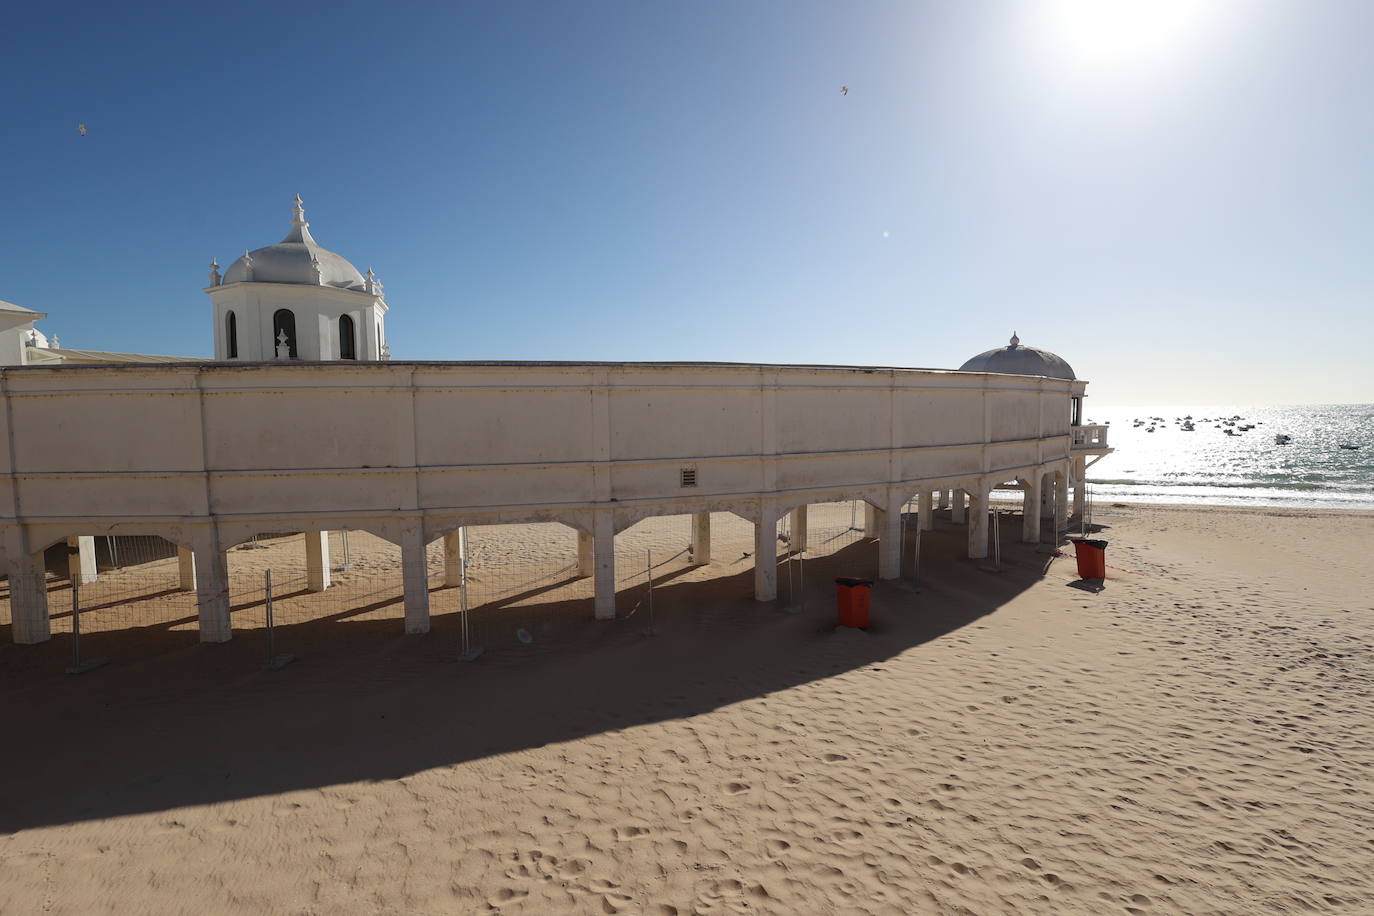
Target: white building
[(18, 334), (297, 300)]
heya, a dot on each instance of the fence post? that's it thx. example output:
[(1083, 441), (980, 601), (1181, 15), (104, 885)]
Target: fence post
[(78, 666), (275, 662), (649, 571), (997, 538), (468, 653)]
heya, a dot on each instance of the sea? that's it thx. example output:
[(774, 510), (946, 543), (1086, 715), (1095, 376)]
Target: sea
[(1249, 468)]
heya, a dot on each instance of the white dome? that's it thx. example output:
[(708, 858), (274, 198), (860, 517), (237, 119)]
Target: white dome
[(298, 258), (1015, 359)]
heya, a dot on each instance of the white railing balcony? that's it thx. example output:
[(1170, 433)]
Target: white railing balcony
[(1090, 436)]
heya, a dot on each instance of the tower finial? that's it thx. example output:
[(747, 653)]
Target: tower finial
[(214, 272), (300, 229), (1015, 341)]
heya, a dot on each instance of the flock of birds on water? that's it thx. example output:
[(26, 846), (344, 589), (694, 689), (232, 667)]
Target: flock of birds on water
[(1230, 426)]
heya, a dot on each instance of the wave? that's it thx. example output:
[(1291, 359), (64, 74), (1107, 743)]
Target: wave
[(1229, 484)]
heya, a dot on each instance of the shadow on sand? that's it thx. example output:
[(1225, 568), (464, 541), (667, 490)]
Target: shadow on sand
[(171, 722)]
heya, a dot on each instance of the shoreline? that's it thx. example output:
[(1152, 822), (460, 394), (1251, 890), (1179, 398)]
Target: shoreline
[(1282, 511)]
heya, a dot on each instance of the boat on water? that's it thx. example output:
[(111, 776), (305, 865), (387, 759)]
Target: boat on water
[(1281, 439), (1349, 448)]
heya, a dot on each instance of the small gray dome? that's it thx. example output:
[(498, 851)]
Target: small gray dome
[(298, 258), (1015, 359)]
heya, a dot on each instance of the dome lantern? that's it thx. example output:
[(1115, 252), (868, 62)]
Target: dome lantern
[(296, 300), (1014, 359)]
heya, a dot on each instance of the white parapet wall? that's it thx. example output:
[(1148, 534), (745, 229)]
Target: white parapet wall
[(209, 454)]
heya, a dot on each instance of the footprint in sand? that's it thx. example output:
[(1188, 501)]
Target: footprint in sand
[(833, 758), (507, 895), (777, 848), (736, 788), (624, 834)]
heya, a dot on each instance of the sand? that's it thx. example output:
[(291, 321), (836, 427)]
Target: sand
[(1195, 737)]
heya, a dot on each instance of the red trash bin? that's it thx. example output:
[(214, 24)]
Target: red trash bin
[(1092, 557), (852, 600)]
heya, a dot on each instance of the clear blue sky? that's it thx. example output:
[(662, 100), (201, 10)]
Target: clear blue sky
[(1178, 197)]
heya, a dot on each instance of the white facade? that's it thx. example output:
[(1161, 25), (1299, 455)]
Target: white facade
[(297, 300)]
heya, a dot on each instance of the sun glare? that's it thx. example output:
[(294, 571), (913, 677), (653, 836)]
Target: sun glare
[(1125, 35)]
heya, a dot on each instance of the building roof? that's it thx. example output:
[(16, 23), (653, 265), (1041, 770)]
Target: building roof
[(1014, 359), (14, 316), (298, 258), (43, 356)]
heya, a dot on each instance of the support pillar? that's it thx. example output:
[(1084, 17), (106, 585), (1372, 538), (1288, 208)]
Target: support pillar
[(890, 542), (455, 549), (212, 590), (29, 599), (798, 526), (957, 513), (316, 561), (766, 554), (81, 558), (925, 509), (1030, 511), (586, 554), (701, 538), (1046, 496), (978, 523), (603, 557), (415, 580), (186, 569), (1061, 504), (944, 499), (872, 520), (1080, 493)]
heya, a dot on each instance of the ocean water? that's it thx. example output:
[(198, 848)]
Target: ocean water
[(1207, 466)]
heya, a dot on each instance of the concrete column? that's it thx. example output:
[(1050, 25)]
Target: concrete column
[(925, 508), (455, 548), (415, 580), (978, 523), (586, 554), (766, 554), (316, 561), (1080, 493), (81, 558), (957, 512), (890, 543), (873, 526), (212, 590), (701, 538), (603, 547), (1030, 512), (29, 599), (944, 499), (798, 526), (1061, 505), (1046, 496), (186, 569)]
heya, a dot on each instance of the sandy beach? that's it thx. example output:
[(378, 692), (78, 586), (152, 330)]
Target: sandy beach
[(1195, 737)]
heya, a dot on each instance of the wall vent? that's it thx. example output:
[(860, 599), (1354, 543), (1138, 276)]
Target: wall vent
[(688, 477)]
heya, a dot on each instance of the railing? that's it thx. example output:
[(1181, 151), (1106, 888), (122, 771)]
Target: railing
[(1090, 436)]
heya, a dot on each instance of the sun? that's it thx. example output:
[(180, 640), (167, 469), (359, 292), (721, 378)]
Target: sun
[(1105, 36)]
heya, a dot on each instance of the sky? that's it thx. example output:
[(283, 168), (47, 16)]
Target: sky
[(1175, 196)]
